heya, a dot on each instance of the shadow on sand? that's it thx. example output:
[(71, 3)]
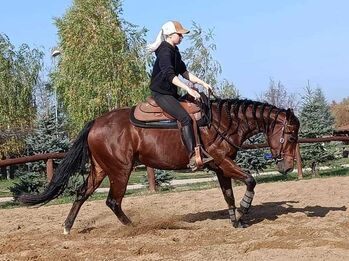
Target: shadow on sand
[(269, 211)]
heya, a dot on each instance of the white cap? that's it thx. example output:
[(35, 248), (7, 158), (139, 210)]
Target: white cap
[(168, 28), (171, 27)]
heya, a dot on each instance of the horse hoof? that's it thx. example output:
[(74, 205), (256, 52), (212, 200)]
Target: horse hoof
[(240, 224), (66, 231)]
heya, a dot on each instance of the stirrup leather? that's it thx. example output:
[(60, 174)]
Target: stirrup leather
[(197, 161)]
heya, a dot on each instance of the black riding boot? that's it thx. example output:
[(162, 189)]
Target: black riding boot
[(188, 138), (189, 142)]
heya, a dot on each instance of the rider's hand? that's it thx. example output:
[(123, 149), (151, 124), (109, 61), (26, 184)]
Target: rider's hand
[(207, 86), (194, 93)]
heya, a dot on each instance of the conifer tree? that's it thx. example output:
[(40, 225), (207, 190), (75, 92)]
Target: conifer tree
[(316, 121)]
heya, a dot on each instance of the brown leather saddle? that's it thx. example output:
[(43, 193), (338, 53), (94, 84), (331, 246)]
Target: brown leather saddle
[(149, 115)]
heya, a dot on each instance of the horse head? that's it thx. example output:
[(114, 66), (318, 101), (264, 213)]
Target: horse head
[(282, 138)]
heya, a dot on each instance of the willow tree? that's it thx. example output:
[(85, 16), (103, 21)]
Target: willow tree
[(102, 65), (19, 74), (200, 60)]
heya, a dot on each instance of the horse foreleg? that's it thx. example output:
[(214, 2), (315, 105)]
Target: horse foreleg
[(226, 187), (231, 170), (94, 179)]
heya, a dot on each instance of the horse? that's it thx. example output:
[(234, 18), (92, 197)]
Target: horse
[(112, 145)]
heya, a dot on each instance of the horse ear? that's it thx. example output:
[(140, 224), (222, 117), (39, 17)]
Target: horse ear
[(289, 112)]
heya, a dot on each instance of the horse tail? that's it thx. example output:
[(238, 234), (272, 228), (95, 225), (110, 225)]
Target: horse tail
[(73, 162)]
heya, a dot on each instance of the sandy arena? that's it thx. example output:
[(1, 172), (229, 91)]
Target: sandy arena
[(301, 220)]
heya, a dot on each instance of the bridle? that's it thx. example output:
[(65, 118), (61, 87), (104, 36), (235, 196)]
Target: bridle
[(280, 155)]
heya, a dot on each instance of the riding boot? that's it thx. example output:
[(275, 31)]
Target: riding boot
[(189, 142)]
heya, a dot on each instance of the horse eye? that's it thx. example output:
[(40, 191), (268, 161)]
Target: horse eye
[(292, 139)]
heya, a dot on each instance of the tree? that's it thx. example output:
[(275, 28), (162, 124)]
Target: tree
[(340, 111), (227, 90), (200, 61), (254, 160), (316, 121), (102, 64), (277, 95), (48, 136), (19, 74)]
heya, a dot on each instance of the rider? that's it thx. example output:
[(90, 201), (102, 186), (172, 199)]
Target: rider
[(164, 81)]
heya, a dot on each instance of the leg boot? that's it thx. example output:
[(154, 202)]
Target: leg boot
[(189, 141)]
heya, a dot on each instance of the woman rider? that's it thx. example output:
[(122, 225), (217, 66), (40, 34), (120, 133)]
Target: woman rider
[(165, 82)]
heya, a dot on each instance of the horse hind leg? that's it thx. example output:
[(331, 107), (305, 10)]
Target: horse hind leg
[(115, 206), (118, 185), (94, 179)]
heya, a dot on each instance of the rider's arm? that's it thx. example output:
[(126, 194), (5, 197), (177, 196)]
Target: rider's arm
[(191, 77), (176, 81)]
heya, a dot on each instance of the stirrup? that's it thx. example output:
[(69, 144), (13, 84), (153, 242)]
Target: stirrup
[(196, 161)]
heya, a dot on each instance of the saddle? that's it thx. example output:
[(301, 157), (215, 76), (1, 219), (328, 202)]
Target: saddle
[(149, 114)]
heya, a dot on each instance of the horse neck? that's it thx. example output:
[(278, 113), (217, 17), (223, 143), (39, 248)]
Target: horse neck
[(243, 119)]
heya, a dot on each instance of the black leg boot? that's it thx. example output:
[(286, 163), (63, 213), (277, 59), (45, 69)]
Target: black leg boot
[(189, 142)]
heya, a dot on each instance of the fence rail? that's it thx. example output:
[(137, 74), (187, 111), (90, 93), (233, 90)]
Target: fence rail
[(49, 157)]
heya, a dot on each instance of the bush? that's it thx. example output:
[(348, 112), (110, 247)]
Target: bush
[(162, 179), (31, 182)]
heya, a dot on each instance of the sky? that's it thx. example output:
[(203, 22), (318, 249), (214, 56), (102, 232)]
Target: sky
[(291, 41)]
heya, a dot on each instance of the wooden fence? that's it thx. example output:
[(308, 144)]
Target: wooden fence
[(49, 157)]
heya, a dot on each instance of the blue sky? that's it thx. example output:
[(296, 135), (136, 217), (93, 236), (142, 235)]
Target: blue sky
[(292, 41)]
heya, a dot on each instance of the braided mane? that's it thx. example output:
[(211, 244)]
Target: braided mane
[(232, 107)]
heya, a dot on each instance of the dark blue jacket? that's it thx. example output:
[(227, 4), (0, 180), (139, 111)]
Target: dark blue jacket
[(168, 64)]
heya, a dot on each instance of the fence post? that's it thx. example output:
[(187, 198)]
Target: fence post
[(49, 169), (299, 162), (3, 170), (151, 179)]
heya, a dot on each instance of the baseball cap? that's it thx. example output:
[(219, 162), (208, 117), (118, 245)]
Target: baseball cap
[(171, 27)]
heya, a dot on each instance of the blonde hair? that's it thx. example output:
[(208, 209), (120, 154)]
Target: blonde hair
[(159, 39)]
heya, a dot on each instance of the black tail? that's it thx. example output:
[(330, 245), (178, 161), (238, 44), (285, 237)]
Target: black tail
[(73, 162)]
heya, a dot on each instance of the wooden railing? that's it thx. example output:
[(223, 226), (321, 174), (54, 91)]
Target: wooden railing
[(49, 157)]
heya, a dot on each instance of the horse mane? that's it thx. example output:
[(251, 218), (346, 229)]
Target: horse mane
[(232, 107)]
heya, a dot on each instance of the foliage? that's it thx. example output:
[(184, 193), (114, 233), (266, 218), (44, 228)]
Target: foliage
[(19, 74), (253, 160), (278, 96), (200, 61), (48, 136), (316, 121), (227, 90), (31, 182), (340, 111), (102, 64), (162, 179)]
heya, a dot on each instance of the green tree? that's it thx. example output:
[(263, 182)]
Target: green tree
[(19, 74), (201, 62), (227, 90), (254, 160), (102, 64), (316, 121), (47, 136)]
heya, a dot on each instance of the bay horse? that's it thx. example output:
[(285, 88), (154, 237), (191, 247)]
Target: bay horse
[(112, 145)]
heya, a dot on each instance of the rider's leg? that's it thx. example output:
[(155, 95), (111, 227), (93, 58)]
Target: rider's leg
[(172, 106)]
